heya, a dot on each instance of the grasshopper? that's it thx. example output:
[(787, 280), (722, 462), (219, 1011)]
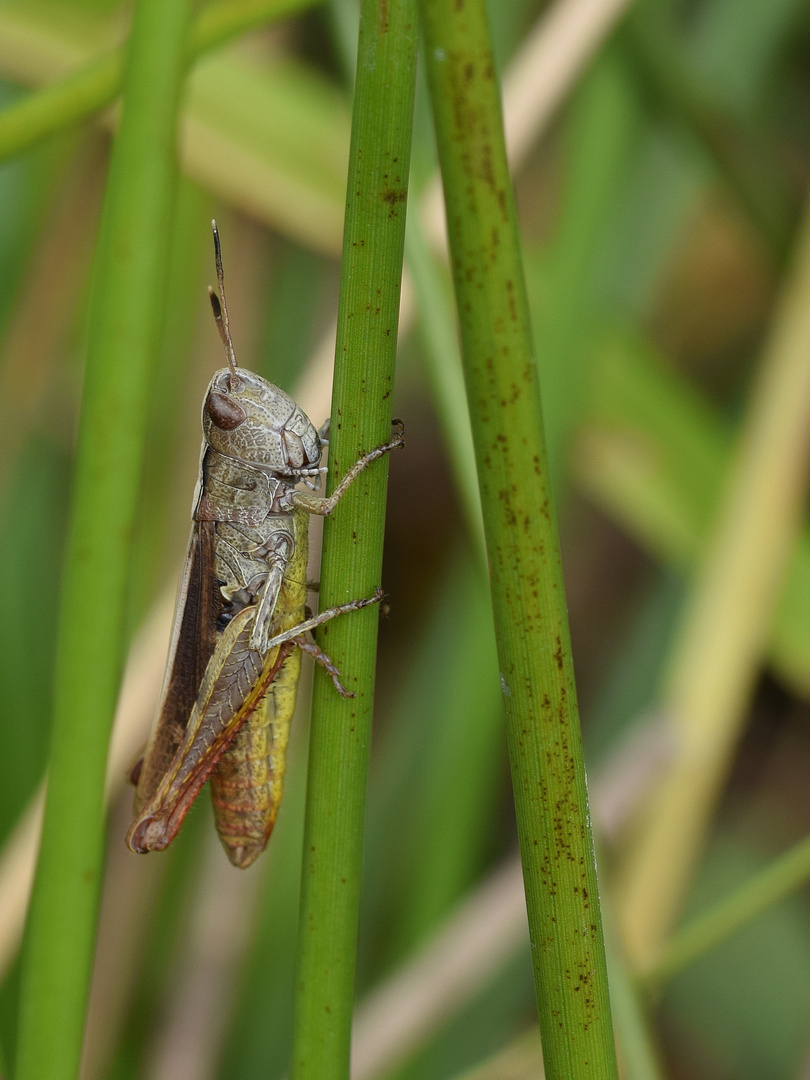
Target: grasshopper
[(240, 621)]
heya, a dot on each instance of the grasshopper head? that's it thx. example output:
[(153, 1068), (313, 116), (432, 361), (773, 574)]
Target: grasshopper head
[(248, 418), (244, 415)]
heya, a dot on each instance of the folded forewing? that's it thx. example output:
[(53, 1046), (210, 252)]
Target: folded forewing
[(192, 645)]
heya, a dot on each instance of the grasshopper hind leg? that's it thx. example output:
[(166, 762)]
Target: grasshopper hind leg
[(247, 782), (307, 644)]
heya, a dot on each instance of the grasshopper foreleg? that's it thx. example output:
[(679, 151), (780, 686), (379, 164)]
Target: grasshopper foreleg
[(315, 504), (282, 546)]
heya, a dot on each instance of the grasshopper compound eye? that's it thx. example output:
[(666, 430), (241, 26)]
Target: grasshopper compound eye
[(226, 413)]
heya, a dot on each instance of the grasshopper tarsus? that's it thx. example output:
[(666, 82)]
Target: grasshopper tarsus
[(306, 644)]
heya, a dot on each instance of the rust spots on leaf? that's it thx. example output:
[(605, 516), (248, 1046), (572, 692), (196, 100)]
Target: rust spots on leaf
[(511, 301), (514, 395), (488, 170), (558, 654), (393, 197)]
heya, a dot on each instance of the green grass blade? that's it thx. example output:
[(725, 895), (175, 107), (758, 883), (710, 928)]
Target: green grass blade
[(98, 82), (366, 347), (281, 127), (702, 933), (125, 319), (528, 597)]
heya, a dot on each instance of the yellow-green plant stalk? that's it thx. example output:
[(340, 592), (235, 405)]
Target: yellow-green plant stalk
[(725, 629)]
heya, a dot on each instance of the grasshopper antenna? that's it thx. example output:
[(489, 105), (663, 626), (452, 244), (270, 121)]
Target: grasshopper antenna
[(219, 306)]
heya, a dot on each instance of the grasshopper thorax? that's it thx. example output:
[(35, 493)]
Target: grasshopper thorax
[(246, 417)]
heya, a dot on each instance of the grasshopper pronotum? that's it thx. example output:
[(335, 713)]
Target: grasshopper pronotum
[(240, 622)]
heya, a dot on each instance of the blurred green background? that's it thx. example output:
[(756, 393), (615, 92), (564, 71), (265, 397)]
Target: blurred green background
[(661, 206)]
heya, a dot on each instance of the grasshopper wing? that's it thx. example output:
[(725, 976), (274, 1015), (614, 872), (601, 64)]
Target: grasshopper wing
[(234, 683), (192, 646)]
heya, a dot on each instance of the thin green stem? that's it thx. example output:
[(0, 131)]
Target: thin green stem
[(637, 1048), (124, 324), (361, 414), (98, 83), (531, 623), (705, 931)]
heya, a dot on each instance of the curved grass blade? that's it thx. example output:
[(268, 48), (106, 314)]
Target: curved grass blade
[(97, 83)]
